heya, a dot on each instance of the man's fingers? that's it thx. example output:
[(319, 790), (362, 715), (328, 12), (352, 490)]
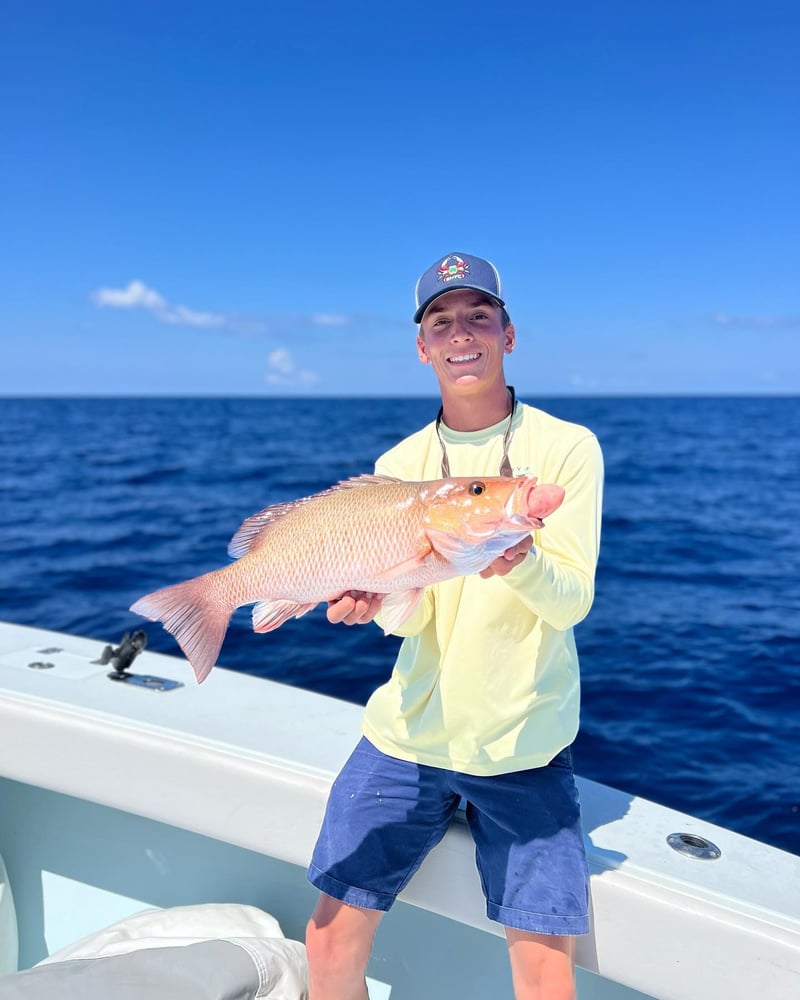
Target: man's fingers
[(354, 608), (338, 608), (509, 559)]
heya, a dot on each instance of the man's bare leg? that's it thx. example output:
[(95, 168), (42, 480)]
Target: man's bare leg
[(338, 943), (542, 965)]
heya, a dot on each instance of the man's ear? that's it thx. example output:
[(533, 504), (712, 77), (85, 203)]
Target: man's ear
[(511, 338), (422, 352)]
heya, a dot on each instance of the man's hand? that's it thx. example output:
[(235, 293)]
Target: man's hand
[(509, 559), (354, 607)]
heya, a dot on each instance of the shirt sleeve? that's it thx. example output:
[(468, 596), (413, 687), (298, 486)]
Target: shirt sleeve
[(556, 581)]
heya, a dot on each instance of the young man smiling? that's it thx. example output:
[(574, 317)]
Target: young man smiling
[(483, 701)]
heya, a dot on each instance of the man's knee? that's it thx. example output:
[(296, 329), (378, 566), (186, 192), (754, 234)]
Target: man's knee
[(339, 936), (542, 966)]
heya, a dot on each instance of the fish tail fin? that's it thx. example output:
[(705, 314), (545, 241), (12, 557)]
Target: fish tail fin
[(196, 613)]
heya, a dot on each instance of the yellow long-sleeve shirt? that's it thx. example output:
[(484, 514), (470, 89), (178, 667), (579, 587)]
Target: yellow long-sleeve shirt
[(486, 680)]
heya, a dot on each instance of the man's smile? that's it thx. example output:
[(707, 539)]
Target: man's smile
[(460, 359)]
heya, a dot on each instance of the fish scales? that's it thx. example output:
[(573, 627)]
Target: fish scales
[(342, 541)]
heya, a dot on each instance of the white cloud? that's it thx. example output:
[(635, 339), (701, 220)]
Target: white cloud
[(764, 322), (138, 296), (181, 316), (282, 370), (329, 319), (583, 382), (280, 361)]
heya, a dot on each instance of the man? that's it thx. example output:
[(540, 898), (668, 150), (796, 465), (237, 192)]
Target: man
[(484, 697)]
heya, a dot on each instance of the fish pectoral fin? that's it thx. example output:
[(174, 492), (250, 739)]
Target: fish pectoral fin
[(464, 557), (415, 562), (269, 615), (398, 607)]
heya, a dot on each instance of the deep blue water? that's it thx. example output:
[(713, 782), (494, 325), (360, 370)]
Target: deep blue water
[(691, 654)]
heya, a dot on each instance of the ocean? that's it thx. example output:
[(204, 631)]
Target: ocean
[(690, 657)]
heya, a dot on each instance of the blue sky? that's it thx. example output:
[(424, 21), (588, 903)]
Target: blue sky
[(238, 197)]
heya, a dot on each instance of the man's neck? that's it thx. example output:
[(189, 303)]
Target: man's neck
[(474, 412)]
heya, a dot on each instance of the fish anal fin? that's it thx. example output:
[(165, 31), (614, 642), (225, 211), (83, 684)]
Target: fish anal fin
[(269, 615), (398, 607)]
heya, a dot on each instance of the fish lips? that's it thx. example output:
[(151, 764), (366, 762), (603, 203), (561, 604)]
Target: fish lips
[(538, 501)]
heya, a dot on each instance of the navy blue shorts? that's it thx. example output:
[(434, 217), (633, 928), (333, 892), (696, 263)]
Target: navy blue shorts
[(384, 815)]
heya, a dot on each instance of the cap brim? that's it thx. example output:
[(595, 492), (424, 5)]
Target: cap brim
[(475, 288)]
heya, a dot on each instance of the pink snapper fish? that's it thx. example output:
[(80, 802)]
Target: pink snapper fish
[(372, 533)]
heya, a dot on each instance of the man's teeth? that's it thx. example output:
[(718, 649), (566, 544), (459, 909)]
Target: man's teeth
[(460, 358)]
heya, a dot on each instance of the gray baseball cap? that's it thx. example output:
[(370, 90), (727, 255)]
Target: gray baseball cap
[(456, 270)]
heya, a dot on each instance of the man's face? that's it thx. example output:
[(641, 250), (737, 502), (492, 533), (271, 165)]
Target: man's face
[(462, 337)]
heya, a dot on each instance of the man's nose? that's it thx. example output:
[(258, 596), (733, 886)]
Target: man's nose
[(460, 330)]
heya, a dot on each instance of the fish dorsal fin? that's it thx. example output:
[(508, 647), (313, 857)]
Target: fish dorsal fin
[(249, 531), (368, 479)]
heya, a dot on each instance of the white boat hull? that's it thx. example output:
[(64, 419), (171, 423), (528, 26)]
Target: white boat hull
[(114, 798)]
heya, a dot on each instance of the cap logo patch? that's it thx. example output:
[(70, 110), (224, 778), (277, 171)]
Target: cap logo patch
[(451, 268)]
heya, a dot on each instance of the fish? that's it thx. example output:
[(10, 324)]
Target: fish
[(370, 533)]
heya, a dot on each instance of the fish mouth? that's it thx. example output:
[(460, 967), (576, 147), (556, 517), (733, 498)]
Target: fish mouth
[(536, 502), (527, 521), (520, 502), (541, 500)]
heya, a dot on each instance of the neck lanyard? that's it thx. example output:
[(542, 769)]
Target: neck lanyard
[(505, 465)]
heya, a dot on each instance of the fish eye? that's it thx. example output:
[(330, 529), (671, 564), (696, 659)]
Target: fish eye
[(477, 487)]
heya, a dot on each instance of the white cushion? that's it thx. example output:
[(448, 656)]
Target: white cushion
[(208, 952)]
